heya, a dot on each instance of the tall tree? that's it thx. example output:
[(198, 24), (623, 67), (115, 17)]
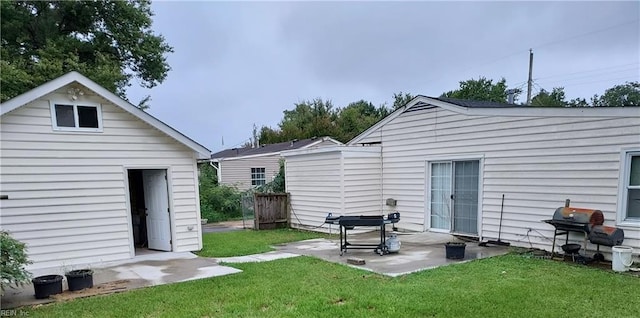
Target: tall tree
[(627, 94), (356, 118), (400, 99), (555, 98), (306, 120), (110, 42), (482, 89)]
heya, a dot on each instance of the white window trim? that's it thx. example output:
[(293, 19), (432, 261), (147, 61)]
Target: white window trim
[(625, 174), (75, 104), (264, 174)]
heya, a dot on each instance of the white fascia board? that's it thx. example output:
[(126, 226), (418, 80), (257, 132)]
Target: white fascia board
[(529, 111)]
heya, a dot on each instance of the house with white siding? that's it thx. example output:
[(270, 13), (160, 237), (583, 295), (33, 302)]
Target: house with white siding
[(250, 167), (446, 163), (87, 178)]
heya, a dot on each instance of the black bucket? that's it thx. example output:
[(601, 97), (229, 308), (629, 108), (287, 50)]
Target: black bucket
[(454, 250), (47, 285), (80, 279)]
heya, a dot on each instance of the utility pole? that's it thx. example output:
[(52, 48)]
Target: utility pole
[(530, 81)]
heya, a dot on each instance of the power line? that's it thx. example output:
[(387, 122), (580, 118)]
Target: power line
[(587, 33), (603, 74), (544, 45), (591, 70), (602, 80)]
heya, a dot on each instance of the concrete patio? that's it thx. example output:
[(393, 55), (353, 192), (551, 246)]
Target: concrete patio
[(419, 251)]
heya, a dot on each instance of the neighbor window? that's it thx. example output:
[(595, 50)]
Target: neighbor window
[(257, 177), (76, 117), (630, 207)]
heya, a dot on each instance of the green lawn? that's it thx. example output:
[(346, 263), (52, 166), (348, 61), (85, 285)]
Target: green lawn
[(504, 286), (246, 242)]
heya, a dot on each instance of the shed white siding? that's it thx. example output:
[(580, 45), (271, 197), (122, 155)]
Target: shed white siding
[(333, 180), (68, 195), (237, 172), (536, 161)]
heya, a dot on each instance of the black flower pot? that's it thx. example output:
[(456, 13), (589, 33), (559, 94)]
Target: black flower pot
[(80, 279), (47, 285), (454, 250)]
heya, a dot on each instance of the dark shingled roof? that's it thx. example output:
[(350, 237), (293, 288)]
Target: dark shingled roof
[(263, 149), (475, 103)]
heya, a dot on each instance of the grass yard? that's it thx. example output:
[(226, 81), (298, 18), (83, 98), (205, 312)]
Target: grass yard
[(505, 286), (246, 242)]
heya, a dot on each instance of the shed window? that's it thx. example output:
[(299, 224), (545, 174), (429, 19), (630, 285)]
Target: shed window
[(258, 177), (72, 117), (630, 207)]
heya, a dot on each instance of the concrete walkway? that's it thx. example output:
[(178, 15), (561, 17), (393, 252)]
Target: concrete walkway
[(150, 269)]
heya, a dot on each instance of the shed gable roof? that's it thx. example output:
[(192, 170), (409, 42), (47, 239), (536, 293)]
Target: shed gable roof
[(72, 77)]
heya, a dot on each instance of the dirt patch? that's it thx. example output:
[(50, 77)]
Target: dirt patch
[(102, 289)]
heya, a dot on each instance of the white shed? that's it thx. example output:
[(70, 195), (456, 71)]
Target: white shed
[(91, 178), (249, 167), (339, 180), (448, 162)]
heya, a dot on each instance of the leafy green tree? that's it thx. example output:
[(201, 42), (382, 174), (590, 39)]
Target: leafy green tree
[(110, 42), (555, 98), (356, 118), (578, 102), (482, 89), (627, 94), (308, 119), (400, 99)]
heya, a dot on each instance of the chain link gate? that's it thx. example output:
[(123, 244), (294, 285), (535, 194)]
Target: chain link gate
[(247, 207)]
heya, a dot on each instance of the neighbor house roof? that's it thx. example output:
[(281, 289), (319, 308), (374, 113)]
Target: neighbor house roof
[(482, 108), (269, 149), (72, 77)]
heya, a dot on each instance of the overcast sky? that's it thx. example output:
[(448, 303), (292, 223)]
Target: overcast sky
[(240, 63)]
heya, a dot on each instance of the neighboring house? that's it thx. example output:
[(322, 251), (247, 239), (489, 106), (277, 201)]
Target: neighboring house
[(448, 162), (91, 178), (249, 167)]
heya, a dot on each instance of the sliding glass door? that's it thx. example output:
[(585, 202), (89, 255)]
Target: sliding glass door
[(454, 196)]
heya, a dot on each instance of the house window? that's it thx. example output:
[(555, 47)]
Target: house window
[(75, 117), (630, 187), (258, 177)]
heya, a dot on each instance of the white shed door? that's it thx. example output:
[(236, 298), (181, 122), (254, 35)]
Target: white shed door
[(156, 200)]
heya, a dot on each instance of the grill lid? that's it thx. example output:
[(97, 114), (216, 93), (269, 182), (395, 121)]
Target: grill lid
[(606, 235), (578, 215)]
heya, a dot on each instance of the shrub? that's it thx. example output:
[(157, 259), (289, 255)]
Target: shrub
[(219, 203), (13, 260), (277, 185)]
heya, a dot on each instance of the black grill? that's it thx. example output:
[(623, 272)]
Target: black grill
[(349, 222), (587, 221)]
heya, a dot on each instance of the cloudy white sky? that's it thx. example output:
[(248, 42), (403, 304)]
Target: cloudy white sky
[(240, 63)]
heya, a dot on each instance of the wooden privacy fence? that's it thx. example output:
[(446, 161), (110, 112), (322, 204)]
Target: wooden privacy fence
[(272, 210)]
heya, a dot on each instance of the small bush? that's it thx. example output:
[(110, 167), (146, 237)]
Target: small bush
[(13, 260), (217, 202), (277, 185)]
